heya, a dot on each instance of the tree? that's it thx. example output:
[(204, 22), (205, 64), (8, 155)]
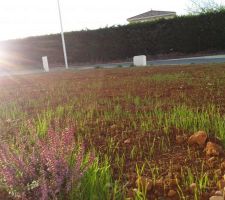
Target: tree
[(204, 6)]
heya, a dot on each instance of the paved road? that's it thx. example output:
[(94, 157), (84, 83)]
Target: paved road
[(180, 61), (5, 72), (192, 60)]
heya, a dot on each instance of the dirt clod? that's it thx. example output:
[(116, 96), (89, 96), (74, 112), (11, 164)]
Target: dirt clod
[(159, 183), (172, 193), (218, 172), (146, 182), (4, 195), (180, 139), (211, 162), (170, 182)]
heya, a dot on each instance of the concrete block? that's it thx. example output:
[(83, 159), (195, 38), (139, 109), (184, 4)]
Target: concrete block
[(45, 63), (140, 60)]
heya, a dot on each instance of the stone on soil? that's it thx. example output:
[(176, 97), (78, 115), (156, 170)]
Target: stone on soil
[(213, 149), (199, 138), (127, 141), (219, 193), (113, 126), (216, 198), (193, 186), (223, 165)]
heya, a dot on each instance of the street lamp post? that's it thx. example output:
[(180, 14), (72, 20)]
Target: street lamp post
[(62, 34)]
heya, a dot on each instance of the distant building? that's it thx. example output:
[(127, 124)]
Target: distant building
[(152, 15)]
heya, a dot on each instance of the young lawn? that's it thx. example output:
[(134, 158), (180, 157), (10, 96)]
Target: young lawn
[(124, 133)]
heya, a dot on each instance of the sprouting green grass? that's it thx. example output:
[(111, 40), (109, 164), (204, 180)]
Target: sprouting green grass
[(168, 77), (98, 184), (107, 107), (200, 179)]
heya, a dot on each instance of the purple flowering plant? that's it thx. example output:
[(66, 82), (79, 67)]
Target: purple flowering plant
[(47, 170)]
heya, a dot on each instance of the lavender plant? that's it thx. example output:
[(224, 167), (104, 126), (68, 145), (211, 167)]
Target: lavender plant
[(47, 170)]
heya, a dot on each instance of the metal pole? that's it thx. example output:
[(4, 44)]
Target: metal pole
[(62, 34)]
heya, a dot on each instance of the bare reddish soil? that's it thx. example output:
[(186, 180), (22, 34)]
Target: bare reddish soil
[(166, 87)]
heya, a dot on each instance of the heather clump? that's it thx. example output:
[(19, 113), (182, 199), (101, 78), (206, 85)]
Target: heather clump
[(46, 170)]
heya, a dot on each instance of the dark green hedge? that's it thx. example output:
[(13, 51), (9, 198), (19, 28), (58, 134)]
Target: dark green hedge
[(186, 34)]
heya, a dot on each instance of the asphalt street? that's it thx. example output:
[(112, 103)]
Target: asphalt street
[(180, 61)]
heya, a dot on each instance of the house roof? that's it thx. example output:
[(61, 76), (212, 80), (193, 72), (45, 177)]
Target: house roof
[(151, 13)]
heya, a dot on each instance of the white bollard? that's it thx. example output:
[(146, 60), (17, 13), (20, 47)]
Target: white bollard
[(140, 60), (45, 63)]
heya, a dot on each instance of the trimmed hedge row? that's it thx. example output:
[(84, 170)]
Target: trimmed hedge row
[(186, 34)]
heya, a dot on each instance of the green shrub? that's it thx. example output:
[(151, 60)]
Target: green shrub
[(184, 34)]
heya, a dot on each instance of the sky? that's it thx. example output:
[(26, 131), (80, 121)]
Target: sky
[(23, 18)]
